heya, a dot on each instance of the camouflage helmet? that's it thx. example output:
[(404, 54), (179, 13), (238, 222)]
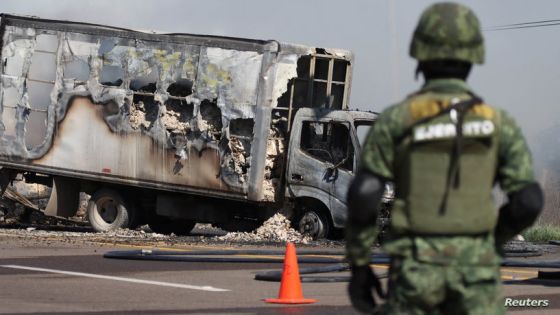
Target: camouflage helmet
[(448, 31)]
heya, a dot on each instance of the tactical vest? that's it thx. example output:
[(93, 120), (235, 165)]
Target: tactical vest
[(428, 200)]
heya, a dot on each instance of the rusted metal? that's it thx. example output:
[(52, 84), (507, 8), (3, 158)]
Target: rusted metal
[(12, 194)]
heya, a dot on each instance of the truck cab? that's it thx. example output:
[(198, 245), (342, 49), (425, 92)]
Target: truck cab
[(323, 156)]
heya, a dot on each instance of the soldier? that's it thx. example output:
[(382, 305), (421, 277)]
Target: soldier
[(444, 149)]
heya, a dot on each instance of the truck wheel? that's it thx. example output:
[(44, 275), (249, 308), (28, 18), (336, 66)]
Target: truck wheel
[(107, 211), (314, 224), (164, 225)]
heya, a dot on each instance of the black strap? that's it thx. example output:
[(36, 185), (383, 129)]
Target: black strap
[(453, 172)]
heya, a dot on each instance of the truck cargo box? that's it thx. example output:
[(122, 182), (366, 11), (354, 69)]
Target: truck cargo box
[(186, 113)]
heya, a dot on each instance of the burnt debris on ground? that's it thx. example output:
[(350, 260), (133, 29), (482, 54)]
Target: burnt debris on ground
[(275, 229)]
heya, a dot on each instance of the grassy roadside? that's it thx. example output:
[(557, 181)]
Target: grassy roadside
[(542, 233)]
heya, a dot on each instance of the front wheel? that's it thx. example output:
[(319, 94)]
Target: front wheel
[(108, 211), (315, 224)]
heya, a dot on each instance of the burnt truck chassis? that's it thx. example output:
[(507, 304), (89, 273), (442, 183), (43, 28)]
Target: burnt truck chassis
[(138, 117)]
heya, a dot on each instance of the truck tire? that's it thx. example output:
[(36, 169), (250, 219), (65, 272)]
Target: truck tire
[(315, 224), (164, 225), (108, 211)]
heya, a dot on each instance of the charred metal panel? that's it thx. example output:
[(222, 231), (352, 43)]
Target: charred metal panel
[(315, 77), (180, 109)]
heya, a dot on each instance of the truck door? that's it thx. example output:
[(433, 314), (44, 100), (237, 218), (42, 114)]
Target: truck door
[(321, 164)]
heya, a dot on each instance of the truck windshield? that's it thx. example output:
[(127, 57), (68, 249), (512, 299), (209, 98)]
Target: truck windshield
[(362, 129)]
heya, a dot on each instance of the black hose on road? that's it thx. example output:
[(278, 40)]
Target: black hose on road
[(522, 253), (549, 275), (532, 263), (305, 257), (276, 275)]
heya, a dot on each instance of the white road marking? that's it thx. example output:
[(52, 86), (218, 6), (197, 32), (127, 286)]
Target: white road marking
[(96, 276)]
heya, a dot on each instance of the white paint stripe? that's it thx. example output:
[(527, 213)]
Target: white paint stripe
[(92, 275)]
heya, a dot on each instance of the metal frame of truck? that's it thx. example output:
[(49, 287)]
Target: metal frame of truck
[(107, 109)]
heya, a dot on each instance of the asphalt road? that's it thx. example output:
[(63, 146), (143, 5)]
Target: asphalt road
[(63, 278)]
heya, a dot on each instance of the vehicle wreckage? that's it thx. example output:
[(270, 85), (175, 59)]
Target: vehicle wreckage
[(174, 129)]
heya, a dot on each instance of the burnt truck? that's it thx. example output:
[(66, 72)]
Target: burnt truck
[(173, 129)]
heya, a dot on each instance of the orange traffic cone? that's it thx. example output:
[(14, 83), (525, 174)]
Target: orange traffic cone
[(290, 287)]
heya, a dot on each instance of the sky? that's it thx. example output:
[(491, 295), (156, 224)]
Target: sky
[(521, 73)]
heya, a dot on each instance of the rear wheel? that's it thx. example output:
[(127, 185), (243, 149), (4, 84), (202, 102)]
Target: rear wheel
[(107, 211), (164, 225)]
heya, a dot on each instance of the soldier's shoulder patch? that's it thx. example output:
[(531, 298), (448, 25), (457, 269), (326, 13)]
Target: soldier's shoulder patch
[(421, 108), (484, 111)]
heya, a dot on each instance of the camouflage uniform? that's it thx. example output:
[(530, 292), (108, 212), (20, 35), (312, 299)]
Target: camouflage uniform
[(442, 272)]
